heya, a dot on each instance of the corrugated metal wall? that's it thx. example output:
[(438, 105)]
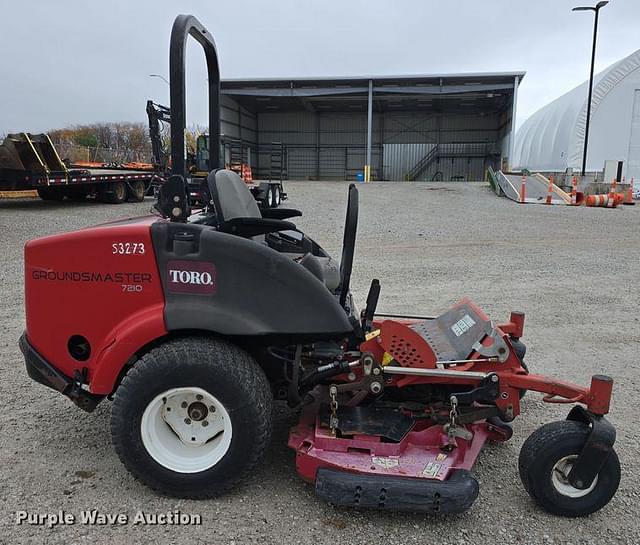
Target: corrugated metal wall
[(236, 122), (333, 145), (400, 158)]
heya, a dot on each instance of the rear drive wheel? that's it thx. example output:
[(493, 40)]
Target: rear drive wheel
[(192, 417), (50, 194), (136, 191), (276, 196), (546, 458), (115, 193)]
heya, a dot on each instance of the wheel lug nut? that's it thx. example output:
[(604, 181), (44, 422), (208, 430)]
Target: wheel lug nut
[(187, 420), (184, 404), (212, 409), (199, 397), (205, 423)]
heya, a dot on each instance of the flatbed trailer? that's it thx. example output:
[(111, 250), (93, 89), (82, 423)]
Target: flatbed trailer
[(31, 162)]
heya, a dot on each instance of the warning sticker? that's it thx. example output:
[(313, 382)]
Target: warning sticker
[(431, 470), (387, 463), (386, 359), (463, 325)]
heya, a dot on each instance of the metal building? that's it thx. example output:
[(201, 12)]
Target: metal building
[(439, 127), (552, 139)]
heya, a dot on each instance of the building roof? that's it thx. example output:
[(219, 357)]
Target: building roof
[(553, 137), (444, 92)]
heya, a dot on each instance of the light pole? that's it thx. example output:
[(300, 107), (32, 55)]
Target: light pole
[(163, 78), (596, 9)]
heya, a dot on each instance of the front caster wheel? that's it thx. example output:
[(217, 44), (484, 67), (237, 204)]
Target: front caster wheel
[(546, 458), (192, 417)]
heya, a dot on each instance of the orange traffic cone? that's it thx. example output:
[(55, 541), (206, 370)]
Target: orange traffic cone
[(549, 190), (574, 190), (628, 194), (246, 173), (523, 189)]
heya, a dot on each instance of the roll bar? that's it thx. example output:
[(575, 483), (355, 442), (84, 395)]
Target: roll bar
[(183, 27)]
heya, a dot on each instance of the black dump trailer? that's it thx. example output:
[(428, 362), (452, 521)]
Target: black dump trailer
[(31, 162)]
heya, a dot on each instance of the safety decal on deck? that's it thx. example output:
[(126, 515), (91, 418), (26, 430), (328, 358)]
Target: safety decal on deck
[(386, 359), (387, 463), (463, 325), (431, 470)]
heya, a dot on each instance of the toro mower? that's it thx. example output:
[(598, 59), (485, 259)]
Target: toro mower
[(193, 322)]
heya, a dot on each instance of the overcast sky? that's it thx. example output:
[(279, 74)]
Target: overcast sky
[(70, 62)]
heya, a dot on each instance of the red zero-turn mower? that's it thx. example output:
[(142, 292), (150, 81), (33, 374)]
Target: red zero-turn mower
[(194, 322)]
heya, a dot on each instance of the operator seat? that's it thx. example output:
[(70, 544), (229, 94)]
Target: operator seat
[(232, 199)]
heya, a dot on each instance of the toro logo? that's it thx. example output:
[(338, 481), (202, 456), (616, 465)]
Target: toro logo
[(191, 277)]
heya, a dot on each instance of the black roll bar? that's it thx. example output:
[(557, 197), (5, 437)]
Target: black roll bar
[(183, 27)]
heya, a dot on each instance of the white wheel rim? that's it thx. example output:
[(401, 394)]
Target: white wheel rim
[(186, 430), (560, 482), (270, 197), (276, 198)]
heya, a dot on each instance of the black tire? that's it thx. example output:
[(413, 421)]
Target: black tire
[(222, 370), (547, 446), (50, 193), (114, 193), (136, 191), (269, 199), (76, 193), (276, 196)]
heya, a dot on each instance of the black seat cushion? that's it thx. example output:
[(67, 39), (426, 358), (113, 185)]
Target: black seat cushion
[(231, 196)]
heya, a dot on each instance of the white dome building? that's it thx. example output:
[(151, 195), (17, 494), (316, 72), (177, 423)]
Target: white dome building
[(552, 139)]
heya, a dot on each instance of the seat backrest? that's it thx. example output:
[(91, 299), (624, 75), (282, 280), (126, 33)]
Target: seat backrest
[(231, 196)]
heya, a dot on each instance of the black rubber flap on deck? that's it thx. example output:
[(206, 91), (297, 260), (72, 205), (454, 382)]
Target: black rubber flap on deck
[(454, 495)]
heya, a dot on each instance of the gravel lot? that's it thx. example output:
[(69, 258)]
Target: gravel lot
[(575, 272)]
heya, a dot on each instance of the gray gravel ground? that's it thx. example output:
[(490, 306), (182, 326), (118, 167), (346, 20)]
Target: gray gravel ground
[(575, 272)]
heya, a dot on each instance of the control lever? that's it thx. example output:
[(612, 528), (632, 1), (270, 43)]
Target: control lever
[(372, 302)]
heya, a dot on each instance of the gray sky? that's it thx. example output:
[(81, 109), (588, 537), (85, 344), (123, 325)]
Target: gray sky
[(71, 62)]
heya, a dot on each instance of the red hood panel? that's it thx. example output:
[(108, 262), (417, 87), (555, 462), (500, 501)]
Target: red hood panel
[(85, 283)]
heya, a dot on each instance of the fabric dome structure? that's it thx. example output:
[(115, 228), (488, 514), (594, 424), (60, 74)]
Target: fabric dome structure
[(552, 139)]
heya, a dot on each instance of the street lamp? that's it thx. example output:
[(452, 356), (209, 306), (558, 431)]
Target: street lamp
[(596, 9), (165, 79)]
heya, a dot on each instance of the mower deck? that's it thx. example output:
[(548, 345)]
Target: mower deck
[(423, 470)]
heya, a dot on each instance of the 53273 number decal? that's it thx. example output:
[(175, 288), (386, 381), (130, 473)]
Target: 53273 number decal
[(128, 248)]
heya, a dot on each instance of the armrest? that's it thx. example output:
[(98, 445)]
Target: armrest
[(251, 227), (280, 213)]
